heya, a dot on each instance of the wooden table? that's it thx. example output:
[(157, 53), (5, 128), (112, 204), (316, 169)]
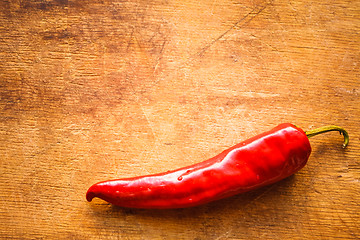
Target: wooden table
[(96, 90)]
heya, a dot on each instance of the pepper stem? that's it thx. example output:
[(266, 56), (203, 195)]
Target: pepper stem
[(325, 129)]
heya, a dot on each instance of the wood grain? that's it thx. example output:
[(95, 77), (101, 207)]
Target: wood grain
[(96, 90)]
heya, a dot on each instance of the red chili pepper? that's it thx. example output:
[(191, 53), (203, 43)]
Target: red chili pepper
[(256, 162)]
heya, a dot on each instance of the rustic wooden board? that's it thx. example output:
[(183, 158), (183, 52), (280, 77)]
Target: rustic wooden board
[(96, 90)]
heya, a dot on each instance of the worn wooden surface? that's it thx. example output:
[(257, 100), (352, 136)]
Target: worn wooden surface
[(96, 90)]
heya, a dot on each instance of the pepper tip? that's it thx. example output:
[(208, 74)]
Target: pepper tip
[(90, 196)]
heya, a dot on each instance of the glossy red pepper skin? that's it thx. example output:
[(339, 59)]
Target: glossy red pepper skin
[(256, 162)]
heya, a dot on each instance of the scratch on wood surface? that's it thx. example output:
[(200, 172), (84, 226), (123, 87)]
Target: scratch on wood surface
[(148, 121), (130, 40), (261, 194), (225, 235), (212, 7), (258, 94), (241, 22), (160, 56)]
